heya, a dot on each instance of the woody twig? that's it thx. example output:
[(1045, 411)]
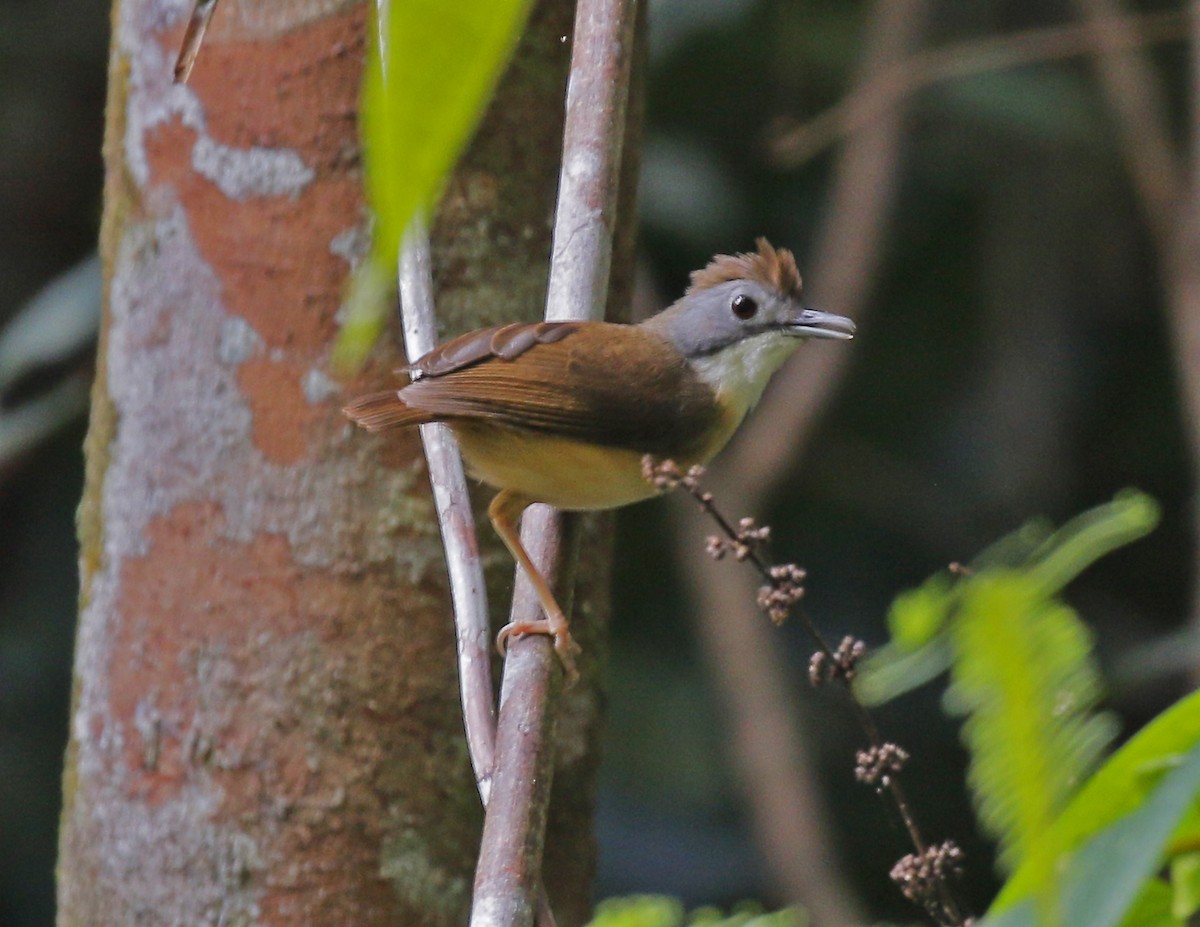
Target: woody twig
[(514, 828), (923, 876)]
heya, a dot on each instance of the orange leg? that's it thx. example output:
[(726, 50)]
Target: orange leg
[(504, 511)]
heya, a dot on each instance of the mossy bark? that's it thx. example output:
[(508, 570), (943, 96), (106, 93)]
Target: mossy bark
[(265, 725)]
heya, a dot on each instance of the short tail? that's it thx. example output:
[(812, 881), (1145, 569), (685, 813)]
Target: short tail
[(381, 411)]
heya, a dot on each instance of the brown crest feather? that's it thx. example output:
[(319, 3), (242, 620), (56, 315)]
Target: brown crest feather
[(770, 267)]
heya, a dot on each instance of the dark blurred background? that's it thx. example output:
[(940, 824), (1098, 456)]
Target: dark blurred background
[(1015, 359)]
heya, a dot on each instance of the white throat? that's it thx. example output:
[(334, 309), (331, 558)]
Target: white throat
[(739, 373)]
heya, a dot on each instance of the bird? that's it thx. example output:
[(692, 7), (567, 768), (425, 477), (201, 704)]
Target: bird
[(564, 412)]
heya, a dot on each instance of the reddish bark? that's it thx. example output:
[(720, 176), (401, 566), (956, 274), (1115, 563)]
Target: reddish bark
[(266, 726)]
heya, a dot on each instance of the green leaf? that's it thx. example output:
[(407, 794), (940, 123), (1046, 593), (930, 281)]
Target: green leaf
[(1023, 671), (1088, 537), (1185, 885), (364, 314), (1152, 907), (918, 650), (919, 618), (747, 914), (1100, 882), (1015, 548), (918, 615), (663, 911), (1119, 788), (638, 911), (1187, 838), (889, 671), (419, 108)]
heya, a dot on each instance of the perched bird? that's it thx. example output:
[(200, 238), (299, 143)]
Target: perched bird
[(564, 412)]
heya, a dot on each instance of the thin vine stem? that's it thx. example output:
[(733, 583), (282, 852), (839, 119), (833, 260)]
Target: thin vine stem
[(745, 540)]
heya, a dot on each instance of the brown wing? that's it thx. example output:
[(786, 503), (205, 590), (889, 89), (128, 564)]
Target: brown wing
[(613, 385), (381, 411), (500, 341)]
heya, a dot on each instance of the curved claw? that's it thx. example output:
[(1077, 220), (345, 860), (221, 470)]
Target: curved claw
[(506, 507), (564, 644)]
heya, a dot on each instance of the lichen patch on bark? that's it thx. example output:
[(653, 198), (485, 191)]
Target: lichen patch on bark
[(236, 694), (262, 632), (186, 423), (248, 169), (265, 728)]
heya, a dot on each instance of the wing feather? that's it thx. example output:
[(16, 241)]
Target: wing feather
[(612, 385), (380, 411), (500, 341)]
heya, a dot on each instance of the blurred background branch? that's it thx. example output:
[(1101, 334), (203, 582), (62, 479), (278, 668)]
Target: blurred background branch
[(1031, 347), (1112, 38), (768, 745), (1166, 179)]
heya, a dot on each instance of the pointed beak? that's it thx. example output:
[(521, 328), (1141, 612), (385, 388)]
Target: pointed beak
[(812, 323)]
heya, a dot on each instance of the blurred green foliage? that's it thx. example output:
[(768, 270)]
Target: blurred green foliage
[(1024, 679), (425, 88), (1014, 359), (663, 911), (1022, 673), (1103, 852), (1034, 563), (1184, 876)]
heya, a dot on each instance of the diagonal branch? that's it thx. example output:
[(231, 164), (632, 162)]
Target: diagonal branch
[(449, 483), (844, 263), (193, 38), (769, 748), (792, 145), (1168, 186), (514, 826), (1136, 99)]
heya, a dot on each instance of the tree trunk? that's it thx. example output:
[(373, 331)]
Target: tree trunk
[(266, 725)]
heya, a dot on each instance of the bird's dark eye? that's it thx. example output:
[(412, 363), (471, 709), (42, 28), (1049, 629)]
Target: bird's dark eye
[(743, 306)]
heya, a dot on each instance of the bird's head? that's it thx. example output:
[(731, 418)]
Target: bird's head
[(740, 319)]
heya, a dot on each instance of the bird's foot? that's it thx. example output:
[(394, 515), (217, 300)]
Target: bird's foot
[(555, 627)]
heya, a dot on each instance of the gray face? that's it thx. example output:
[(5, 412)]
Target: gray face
[(712, 319)]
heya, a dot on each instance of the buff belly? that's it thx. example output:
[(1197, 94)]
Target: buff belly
[(566, 474)]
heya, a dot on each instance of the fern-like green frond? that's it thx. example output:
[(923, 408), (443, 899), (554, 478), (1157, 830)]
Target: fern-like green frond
[(1024, 676), (919, 619)]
